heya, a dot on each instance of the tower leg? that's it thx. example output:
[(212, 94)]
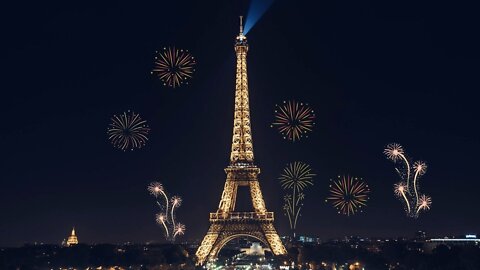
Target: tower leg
[(257, 198), (274, 241), (208, 243), (227, 202)]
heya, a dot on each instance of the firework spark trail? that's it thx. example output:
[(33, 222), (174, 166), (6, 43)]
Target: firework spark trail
[(420, 169), (415, 185), (155, 189), (296, 203), (161, 220), (166, 202), (288, 208), (406, 200), (296, 217), (408, 171), (395, 150), (295, 211), (399, 190), (176, 202)]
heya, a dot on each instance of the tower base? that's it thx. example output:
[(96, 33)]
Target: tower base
[(224, 229)]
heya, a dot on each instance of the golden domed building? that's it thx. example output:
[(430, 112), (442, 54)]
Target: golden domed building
[(72, 239)]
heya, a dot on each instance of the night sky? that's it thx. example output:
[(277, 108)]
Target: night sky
[(375, 72)]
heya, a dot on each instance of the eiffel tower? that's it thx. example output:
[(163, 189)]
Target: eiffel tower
[(225, 223)]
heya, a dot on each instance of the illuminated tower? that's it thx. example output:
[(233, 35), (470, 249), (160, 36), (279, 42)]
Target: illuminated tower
[(72, 239), (225, 223)]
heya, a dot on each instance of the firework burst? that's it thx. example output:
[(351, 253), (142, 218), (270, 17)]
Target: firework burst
[(400, 190), (176, 201), (155, 188), (179, 229), (408, 189), (294, 120), (295, 178), (128, 131), (424, 203), (393, 151), (166, 218), (348, 194), (420, 167), (162, 220), (174, 66)]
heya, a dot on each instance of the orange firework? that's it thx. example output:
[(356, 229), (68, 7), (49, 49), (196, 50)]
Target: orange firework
[(174, 66), (294, 120), (348, 194)]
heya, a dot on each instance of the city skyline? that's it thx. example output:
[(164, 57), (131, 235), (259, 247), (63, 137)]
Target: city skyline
[(371, 80)]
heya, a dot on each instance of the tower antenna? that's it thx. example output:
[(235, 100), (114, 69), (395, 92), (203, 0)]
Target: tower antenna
[(241, 24)]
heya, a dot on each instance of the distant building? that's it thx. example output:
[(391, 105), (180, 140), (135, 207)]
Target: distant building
[(355, 266), (469, 239), (255, 250), (420, 236), (308, 239), (252, 258), (72, 239)]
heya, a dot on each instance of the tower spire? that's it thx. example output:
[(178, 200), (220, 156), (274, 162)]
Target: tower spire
[(241, 25), (242, 146)]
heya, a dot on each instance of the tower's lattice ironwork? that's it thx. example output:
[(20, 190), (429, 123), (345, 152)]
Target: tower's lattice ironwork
[(226, 224)]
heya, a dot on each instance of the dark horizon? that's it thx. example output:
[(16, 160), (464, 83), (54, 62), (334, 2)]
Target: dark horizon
[(374, 73), (197, 241)]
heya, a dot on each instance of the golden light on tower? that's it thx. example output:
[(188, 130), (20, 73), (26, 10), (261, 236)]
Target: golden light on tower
[(225, 223)]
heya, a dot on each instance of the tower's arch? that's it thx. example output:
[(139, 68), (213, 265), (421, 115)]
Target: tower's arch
[(216, 250)]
